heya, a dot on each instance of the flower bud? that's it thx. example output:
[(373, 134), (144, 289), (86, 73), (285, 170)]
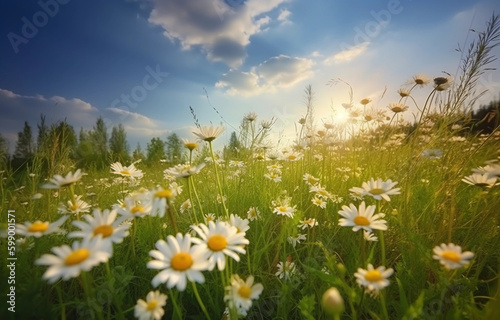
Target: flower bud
[(332, 301)]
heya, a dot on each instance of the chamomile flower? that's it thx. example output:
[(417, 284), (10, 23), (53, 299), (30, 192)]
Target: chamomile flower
[(76, 206), (308, 223), (397, 107), (297, 239), (39, 228), (480, 180), (420, 79), (372, 279), (284, 210), (184, 170), (135, 205), (68, 262), (209, 217), (442, 83), (185, 206), (240, 293), (320, 191), (286, 270), (378, 189), (273, 175), (451, 256), (310, 179), (190, 145), (178, 262), (208, 133), (130, 172), (161, 199), (253, 213), (492, 170), (152, 308), (219, 240), (240, 224), (58, 181), (319, 202), (362, 218), (102, 224)]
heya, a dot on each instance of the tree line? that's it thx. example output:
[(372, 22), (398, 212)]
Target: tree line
[(58, 145)]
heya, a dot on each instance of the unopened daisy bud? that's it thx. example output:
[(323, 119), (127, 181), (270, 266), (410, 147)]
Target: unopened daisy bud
[(332, 302), (341, 268), (394, 212)]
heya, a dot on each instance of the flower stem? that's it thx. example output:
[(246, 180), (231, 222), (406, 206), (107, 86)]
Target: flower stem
[(177, 310), (200, 302), (171, 216), (384, 305), (218, 181)]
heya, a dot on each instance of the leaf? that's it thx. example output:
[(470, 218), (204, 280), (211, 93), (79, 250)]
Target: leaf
[(306, 307)]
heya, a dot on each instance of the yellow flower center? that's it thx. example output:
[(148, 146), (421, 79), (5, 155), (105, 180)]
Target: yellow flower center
[(167, 193), (361, 221), (260, 157), (245, 291), (137, 209), (396, 109), (76, 257), (365, 101), (191, 145), (282, 209), (125, 172), (451, 256), (181, 261), (217, 242), (39, 227), (74, 207), (104, 230), (292, 157), (377, 191), (151, 305), (373, 276)]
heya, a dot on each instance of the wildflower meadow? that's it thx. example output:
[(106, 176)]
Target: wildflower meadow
[(375, 217)]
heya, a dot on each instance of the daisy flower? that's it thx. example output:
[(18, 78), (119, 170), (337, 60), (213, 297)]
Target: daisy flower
[(451, 256), (160, 199), (102, 224), (191, 145), (75, 207), (362, 218), (58, 181), (185, 206), (284, 210), (273, 175), (179, 262), (480, 180), (39, 228), (219, 240), (397, 107), (403, 92), (369, 236), (298, 239), (420, 79), (310, 180), (253, 213), (373, 279), (308, 223), (432, 154), (492, 170), (442, 83), (251, 116), (208, 133), (183, 170), (320, 191), (209, 217), (319, 202), (68, 262), (365, 101), (135, 205), (240, 224), (152, 308), (130, 172), (377, 189), (241, 293), (285, 270)]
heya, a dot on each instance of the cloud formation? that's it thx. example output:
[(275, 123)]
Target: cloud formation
[(222, 29), (277, 72), (347, 54)]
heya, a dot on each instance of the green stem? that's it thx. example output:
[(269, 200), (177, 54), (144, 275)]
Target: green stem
[(384, 305), (200, 302), (363, 249), (177, 310), (218, 181), (197, 197), (61, 303), (172, 216), (382, 246)]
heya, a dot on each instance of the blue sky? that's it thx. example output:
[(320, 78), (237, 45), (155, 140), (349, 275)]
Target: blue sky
[(143, 63)]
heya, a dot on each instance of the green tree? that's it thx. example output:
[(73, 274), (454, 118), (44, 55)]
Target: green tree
[(60, 151), (99, 139), (43, 132), (137, 154), (4, 152), (233, 149), (174, 149), (118, 147), (155, 150), (24, 147)]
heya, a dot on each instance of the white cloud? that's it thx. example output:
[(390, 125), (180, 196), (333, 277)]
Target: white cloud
[(347, 54), (277, 72), (221, 30), (284, 16)]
